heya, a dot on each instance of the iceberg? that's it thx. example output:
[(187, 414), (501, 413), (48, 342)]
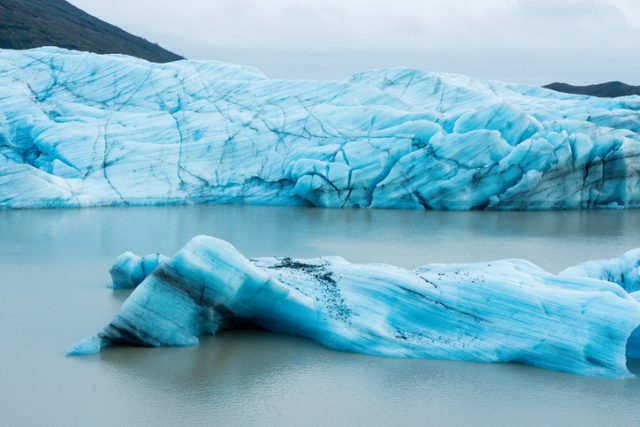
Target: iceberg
[(502, 311), (80, 129), (625, 270), (129, 269)]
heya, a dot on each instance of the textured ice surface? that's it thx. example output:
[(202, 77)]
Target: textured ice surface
[(503, 311), (129, 269), (79, 129), (633, 346), (625, 270)]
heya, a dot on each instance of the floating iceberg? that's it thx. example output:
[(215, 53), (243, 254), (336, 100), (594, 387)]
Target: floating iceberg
[(503, 311), (625, 270), (79, 129), (129, 269)]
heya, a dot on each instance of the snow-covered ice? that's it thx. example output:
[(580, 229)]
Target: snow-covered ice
[(80, 129), (502, 311)]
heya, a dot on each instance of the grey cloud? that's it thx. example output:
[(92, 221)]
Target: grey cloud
[(532, 41)]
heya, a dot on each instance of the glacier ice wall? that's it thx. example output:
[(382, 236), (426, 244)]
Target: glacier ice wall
[(79, 129), (503, 311)]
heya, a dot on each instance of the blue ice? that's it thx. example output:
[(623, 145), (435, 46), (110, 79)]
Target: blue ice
[(80, 129), (502, 311)]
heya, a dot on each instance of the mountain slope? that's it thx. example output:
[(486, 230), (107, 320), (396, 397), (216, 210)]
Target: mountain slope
[(603, 90), (26, 24)]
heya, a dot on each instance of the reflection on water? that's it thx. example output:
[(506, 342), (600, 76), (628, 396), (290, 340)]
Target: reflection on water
[(247, 374), (554, 240), (53, 268)]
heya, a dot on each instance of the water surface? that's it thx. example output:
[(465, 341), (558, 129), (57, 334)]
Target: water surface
[(53, 272)]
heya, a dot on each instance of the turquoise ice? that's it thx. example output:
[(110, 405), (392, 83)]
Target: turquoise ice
[(625, 270), (80, 129), (502, 311), (129, 269)]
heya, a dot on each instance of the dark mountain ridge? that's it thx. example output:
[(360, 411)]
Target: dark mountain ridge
[(25, 24), (603, 90)]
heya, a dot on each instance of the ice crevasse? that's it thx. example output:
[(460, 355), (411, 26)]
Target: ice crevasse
[(502, 311), (80, 129)]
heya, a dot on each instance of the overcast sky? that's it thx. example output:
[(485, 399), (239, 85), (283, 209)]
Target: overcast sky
[(529, 41)]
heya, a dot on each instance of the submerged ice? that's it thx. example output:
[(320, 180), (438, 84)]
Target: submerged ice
[(503, 311), (79, 129)]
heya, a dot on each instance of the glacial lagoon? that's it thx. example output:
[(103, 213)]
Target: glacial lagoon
[(53, 276)]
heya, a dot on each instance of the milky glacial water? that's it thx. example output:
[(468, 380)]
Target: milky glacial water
[(53, 277)]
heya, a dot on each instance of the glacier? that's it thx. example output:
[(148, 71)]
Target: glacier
[(502, 311), (80, 129)]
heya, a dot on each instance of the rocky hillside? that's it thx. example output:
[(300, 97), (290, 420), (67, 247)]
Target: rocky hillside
[(603, 90), (26, 24)]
